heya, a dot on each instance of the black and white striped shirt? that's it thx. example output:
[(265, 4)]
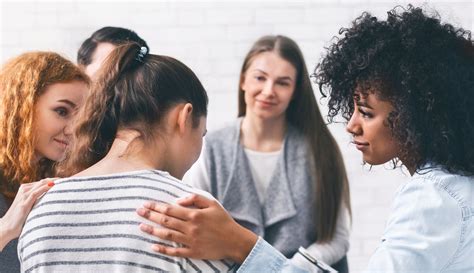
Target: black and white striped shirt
[(89, 224)]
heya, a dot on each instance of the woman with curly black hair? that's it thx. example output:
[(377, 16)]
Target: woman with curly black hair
[(405, 86)]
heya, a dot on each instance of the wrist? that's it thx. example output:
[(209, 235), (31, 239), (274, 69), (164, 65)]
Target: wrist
[(245, 240), (4, 238)]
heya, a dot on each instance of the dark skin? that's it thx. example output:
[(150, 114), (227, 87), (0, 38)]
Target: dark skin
[(196, 230)]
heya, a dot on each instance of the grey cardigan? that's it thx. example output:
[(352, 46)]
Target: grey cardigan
[(287, 218)]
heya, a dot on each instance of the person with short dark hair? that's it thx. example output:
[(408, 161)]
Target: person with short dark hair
[(95, 49)]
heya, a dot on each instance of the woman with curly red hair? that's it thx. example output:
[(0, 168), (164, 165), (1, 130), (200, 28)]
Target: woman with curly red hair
[(39, 94)]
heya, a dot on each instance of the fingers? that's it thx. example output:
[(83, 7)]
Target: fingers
[(195, 200), (165, 234), (172, 251), (170, 210), (36, 192), (163, 220), (40, 189)]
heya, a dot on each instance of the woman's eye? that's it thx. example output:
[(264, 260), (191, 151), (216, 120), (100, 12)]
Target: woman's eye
[(365, 114), (283, 83), (61, 111), (259, 78)]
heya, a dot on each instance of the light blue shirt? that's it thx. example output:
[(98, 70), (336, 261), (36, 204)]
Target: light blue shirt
[(431, 229)]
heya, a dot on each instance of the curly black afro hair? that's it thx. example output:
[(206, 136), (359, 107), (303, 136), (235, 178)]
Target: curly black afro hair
[(424, 68)]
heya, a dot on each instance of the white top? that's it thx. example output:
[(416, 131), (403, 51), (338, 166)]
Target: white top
[(262, 165), (329, 253), (89, 224)]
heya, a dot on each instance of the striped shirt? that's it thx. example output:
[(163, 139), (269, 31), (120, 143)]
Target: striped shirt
[(89, 224)]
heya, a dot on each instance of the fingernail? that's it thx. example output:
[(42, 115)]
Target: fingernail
[(143, 212), (144, 227), (156, 248), (50, 183)]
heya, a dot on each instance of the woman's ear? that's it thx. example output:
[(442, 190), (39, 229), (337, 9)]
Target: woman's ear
[(242, 80), (184, 117)]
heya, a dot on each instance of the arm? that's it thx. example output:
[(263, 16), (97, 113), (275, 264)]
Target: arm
[(209, 232), (12, 223), (334, 250)]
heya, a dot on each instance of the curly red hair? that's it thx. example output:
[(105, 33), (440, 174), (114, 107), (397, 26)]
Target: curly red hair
[(22, 81)]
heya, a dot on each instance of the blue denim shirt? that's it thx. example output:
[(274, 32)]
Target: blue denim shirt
[(431, 229)]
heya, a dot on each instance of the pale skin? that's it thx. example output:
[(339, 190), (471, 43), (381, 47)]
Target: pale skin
[(54, 112), (12, 222), (268, 84), (196, 228)]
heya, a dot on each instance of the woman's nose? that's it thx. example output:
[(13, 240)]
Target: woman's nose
[(353, 126), (268, 89)]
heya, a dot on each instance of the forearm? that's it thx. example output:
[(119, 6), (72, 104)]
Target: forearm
[(264, 258), (4, 238)]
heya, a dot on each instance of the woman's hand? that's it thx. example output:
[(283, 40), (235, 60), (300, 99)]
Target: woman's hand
[(12, 223), (206, 231)]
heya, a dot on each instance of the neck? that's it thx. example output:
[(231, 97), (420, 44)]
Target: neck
[(264, 135), (128, 153)]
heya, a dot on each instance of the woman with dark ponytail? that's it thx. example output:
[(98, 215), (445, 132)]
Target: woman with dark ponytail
[(139, 132)]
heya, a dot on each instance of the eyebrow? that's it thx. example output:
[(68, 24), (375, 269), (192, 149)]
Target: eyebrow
[(279, 78), (68, 102), (363, 104)]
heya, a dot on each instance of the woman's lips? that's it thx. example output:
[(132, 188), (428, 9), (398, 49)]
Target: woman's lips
[(360, 145), (265, 103), (62, 142)]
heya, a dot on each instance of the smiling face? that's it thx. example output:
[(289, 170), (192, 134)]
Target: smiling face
[(54, 113), (369, 128), (269, 84)]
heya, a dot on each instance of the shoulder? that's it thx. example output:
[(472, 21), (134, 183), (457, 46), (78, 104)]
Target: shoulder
[(428, 219), (228, 131), (453, 189), (426, 227), (431, 193)]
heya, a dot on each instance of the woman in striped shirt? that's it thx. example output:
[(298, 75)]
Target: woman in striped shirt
[(138, 133)]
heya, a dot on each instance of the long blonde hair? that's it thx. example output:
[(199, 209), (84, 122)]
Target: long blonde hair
[(22, 81)]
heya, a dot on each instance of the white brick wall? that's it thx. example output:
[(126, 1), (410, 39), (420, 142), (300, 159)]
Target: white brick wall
[(212, 38)]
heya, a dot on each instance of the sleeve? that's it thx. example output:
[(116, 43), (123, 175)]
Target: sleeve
[(334, 250), (423, 232), (265, 258), (197, 176)]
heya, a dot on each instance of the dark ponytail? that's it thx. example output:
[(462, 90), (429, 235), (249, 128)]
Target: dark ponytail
[(133, 90)]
